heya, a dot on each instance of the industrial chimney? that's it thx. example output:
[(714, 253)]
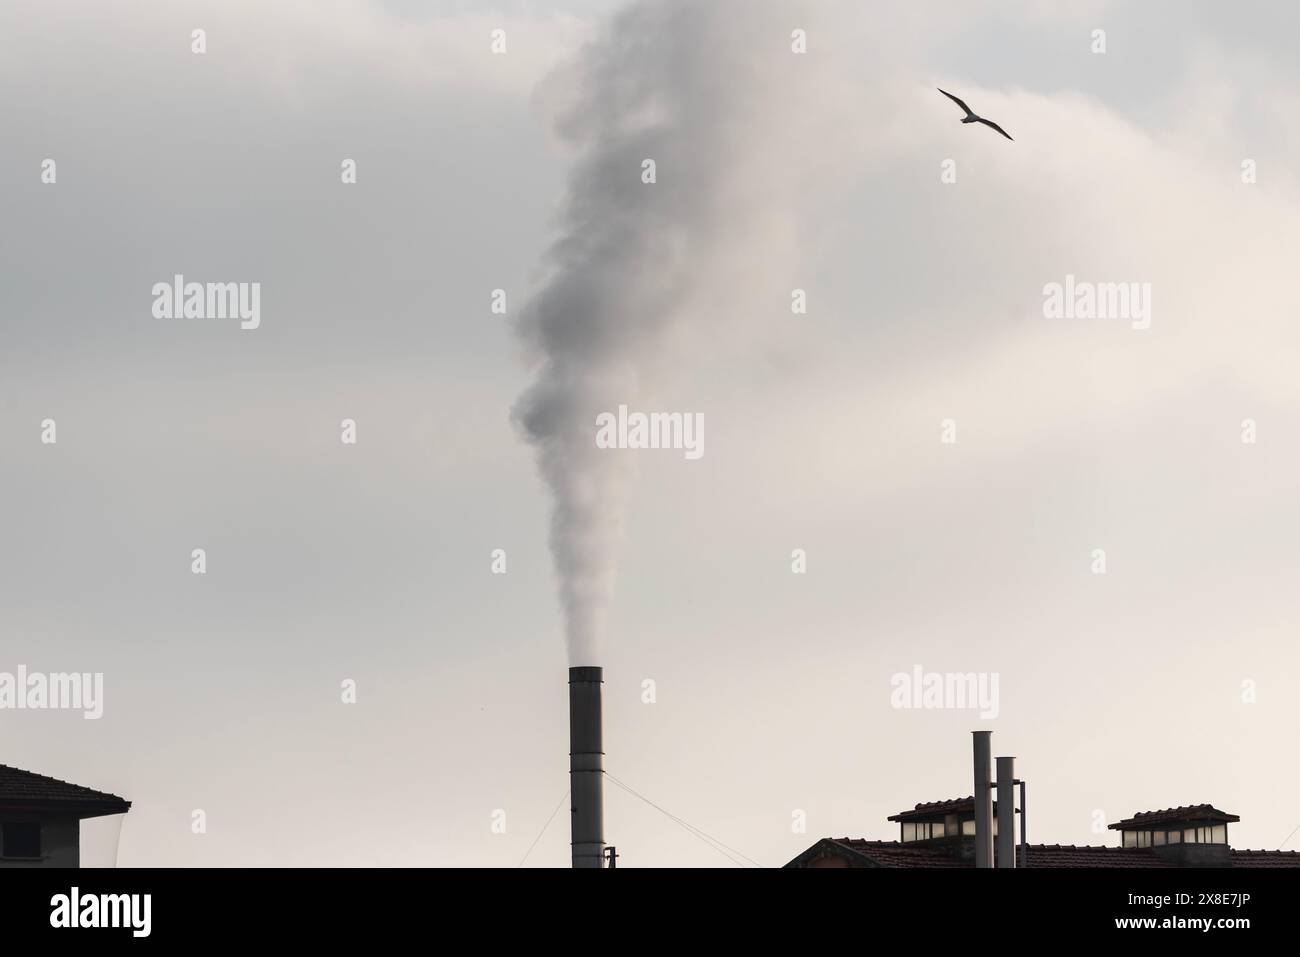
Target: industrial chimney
[(586, 768), (983, 800), (1006, 812)]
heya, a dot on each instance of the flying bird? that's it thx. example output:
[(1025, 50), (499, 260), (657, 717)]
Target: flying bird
[(970, 116)]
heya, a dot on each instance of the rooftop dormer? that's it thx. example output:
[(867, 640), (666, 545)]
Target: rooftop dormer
[(939, 819), (1197, 833)]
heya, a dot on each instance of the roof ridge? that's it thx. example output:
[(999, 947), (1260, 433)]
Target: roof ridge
[(1261, 850), (957, 800), (1091, 847)]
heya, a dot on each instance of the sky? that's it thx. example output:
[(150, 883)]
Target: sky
[(1169, 679)]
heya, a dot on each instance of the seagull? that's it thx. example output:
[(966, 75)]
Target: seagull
[(970, 116)]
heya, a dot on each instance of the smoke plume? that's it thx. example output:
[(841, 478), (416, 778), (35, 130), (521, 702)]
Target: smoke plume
[(695, 88)]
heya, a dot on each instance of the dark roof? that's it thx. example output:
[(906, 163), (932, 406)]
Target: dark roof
[(1192, 812), (861, 853), (27, 791), (1090, 856), (1266, 858), (923, 812)]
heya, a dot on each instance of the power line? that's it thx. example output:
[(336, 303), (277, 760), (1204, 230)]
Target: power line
[(1288, 837), (693, 831), (543, 830), (713, 842)]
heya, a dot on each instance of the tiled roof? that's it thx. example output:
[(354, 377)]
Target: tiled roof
[(895, 854), (1192, 812), (21, 789), (935, 808), (1068, 855), (1266, 858), (921, 812)]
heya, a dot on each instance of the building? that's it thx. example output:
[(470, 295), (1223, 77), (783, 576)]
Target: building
[(942, 834), (40, 818), (947, 833)]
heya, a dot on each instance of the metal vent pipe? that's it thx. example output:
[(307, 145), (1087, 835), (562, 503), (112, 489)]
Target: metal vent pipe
[(586, 768), (1006, 812), (983, 799)]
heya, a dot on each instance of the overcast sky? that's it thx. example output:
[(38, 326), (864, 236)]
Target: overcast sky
[(1119, 692)]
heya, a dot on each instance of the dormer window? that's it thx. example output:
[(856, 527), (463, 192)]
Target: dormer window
[(1205, 834), (923, 831), (1198, 824), (939, 820)]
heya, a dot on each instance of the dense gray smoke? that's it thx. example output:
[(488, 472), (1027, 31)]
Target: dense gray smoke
[(679, 83)]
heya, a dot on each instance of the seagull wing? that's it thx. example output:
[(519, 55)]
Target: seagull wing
[(995, 126), (961, 103)]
